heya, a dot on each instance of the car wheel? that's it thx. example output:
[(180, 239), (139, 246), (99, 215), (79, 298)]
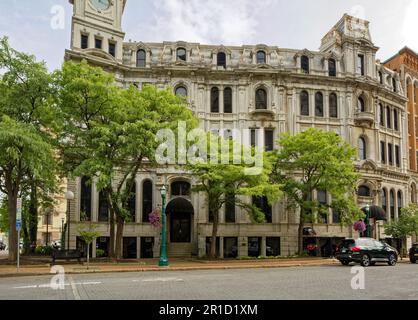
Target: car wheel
[(345, 262), (392, 260), (365, 261)]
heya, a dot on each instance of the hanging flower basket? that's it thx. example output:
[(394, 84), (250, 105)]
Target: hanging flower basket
[(155, 218), (359, 226)]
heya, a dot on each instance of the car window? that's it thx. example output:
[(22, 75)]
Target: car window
[(365, 243), (348, 244), (379, 244)]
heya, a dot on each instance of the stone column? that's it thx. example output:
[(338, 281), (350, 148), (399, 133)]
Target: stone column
[(138, 247), (221, 247), (263, 252), (242, 247)]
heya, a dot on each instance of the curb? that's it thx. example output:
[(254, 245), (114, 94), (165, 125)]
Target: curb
[(172, 269)]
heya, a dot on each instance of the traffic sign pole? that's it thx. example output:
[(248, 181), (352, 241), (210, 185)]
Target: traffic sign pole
[(18, 227)]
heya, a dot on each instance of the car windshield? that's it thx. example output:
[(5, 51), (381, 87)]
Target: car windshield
[(348, 244)]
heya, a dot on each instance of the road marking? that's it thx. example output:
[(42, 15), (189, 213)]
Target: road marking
[(46, 286), (74, 288), (160, 280)]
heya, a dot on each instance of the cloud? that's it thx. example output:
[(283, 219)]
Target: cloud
[(228, 22), (410, 26)]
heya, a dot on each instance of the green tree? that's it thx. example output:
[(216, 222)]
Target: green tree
[(226, 180), (88, 235), (27, 120), (110, 134), (321, 161), (406, 225)]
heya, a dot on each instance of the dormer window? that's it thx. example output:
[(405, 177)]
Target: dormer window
[(304, 64), (261, 57), (221, 57), (141, 59), (332, 68), (360, 64), (181, 54)]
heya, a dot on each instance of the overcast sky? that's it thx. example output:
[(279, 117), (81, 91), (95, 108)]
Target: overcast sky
[(294, 24)]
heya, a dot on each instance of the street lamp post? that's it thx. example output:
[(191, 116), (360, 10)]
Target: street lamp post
[(163, 252), (68, 196), (367, 222)]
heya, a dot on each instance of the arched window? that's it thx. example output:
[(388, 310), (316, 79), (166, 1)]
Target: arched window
[(382, 115), (361, 106), (304, 103), (395, 120), (319, 104), (400, 202), (181, 92), (141, 58), (333, 105), (262, 204), (392, 205), (180, 189), (214, 100), (103, 207), (221, 59), (228, 100), (261, 57), (132, 203), (363, 191), (362, 151), (304, 64), (85, 199), (147, 200), (181, 54), (388, 118), (332, 68), (261, 99), (384, 200)]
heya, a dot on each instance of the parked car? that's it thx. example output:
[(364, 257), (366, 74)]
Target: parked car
[(413, 253), (2, 246), (367, 252)]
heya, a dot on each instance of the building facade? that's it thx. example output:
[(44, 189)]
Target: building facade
[(268, 89)]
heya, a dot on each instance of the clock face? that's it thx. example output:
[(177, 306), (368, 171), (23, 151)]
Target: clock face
[(101, 4)]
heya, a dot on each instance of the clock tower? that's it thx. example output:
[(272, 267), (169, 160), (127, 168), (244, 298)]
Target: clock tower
[(97, 28)]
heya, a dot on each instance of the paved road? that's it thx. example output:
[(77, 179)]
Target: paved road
[(325, 282)]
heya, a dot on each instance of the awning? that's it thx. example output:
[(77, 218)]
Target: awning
[(376, 213)]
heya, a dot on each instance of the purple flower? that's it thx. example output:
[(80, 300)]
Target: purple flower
[(154, 218), (359, 226)]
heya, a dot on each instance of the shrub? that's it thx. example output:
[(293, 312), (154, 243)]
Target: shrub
[(44, 250), (100, 253)]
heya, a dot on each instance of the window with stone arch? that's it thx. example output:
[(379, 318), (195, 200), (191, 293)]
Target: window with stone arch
[(261, 57), (261, 99), (388, 118), (333, 105), (147, 199), (400, 202), (304, 64), (395, 119), (221, 59), (181, 54), (361, 104), (181, 91), (384, 201), (392, 204), (382, 114), (362, 148), (304, 103), (319, 104), (228, 100), (141, 58), (332, 68), (364, 191), (414, 193), (214, 100)]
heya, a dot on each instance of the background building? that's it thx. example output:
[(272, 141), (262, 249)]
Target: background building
[(340, 88)]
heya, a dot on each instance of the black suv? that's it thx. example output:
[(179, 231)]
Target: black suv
[(413, 253), (367, 252)]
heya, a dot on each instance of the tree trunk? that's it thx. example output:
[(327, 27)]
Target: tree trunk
[(119, 238), (12, 204), (112, 235), (214, 235), (88, 255)]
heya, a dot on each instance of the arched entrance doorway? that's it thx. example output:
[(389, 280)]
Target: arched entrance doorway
[(180, 215)]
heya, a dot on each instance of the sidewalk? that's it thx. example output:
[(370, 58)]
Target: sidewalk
[(175, 265)]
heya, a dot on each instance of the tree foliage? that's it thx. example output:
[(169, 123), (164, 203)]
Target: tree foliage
[(321, 161), (406, 225)]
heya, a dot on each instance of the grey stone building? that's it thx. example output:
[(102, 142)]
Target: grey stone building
[(340, 88)]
